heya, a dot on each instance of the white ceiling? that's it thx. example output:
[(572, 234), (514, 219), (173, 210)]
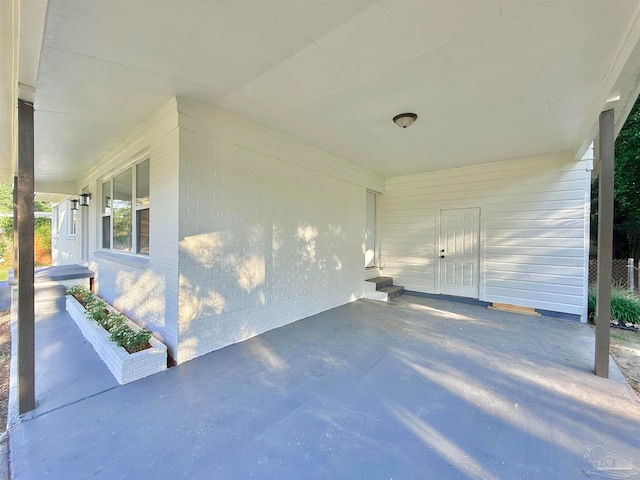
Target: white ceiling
[(489, 79)]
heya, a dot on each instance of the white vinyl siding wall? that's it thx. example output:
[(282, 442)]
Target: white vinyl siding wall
[(532, 229)]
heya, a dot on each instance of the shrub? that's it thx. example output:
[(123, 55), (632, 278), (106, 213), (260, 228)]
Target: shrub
[(6, 239), (42, 241), (625, 306)]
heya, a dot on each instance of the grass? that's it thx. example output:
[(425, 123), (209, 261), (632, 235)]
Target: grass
[(4, 270), (8, 265), (625, 306)]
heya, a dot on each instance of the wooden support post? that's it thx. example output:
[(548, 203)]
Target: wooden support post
[(605, 243), (24, 224)]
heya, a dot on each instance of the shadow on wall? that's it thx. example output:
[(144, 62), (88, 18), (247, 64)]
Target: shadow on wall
[(228, 278), (143, 299)]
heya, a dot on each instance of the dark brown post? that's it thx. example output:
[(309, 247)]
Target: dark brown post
[(24, 223), (605, 243)]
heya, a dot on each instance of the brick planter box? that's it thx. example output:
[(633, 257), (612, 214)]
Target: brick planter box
[(125, 367)]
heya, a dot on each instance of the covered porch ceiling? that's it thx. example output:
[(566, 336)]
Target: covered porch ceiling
[(490, 79)]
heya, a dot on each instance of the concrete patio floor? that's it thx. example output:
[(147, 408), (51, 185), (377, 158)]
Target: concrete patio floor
[(417, 388)]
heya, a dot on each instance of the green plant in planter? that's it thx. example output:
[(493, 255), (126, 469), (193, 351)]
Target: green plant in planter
[(128, 339), (80, 293), (97, 310), (112, 322)]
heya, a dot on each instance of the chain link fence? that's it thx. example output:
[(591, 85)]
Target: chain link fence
[(624, 273)]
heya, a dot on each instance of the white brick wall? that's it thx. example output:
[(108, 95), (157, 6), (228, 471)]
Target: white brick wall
[(144, 288), (65, 248), (265, 238), (262, 231)]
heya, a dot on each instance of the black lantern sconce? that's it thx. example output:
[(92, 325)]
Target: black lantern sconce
[(74, 204), (85, 199)]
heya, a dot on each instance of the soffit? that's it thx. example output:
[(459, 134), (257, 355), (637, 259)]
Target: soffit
[(490, 80)]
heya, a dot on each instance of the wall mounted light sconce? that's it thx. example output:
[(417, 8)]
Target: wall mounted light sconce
[(74, 204), (405, 120), (107, 202), (85, 199)]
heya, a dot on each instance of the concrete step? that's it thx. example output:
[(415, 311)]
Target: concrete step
[(382, 289), (381, 282), (392, 291), (43, 293), (47, 298)]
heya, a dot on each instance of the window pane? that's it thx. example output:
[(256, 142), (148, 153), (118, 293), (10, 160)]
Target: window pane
[(106, 198), (142, 229), (106, 232), (142, 183), (122, 211), (73, 222)]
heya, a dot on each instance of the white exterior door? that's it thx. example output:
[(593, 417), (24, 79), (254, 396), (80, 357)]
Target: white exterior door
[(458, 254)]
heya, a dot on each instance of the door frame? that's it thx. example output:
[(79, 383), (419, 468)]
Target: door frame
[(481, 243), (376, 229)]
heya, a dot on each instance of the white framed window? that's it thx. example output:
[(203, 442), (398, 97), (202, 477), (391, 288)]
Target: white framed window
[(73, 218), (126, 204)]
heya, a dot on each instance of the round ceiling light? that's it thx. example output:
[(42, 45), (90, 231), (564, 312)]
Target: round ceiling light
[(405, 120)]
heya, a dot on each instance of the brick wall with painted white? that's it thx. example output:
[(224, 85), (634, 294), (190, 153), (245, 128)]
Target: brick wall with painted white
[(144, 287), (534, 216), (65, 246), (271, 230)]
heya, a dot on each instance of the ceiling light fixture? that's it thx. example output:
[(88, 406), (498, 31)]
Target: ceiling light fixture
[(405, 120)]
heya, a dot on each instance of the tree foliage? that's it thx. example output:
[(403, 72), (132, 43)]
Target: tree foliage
[(626, 188), (42, 228), (6, 201)]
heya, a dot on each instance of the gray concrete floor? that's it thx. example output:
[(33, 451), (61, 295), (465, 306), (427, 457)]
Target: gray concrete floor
[(417, 388), (5, 296)]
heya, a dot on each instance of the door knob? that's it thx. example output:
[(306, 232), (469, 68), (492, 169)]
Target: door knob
[(441, 256)]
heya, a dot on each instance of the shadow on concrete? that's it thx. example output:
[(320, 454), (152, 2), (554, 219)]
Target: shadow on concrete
[(411, 389)]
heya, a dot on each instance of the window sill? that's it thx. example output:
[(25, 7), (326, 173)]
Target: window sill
[(128, 259)]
